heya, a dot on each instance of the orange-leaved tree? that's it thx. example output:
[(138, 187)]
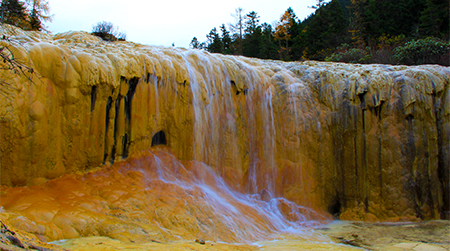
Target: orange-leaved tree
[(282, 32)]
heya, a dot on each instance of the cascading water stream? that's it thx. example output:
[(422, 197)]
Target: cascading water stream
[(246, 217), (201, 99), (213, 109), (269, 142)]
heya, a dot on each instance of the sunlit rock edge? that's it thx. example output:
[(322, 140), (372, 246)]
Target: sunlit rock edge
[(366, 142)]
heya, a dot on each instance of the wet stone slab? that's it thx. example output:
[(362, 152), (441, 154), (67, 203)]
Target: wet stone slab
[(427, 235)]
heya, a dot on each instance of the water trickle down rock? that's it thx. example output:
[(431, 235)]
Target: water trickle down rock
[(368, 142)]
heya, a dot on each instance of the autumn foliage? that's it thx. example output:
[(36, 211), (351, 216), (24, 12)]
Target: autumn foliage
[(356, 31)]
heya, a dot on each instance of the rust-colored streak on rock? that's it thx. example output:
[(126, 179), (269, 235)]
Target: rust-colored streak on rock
[(146, 198)]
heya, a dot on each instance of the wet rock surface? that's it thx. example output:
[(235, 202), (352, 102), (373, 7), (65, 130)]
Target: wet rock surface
[(428, 235), (250, 146), (366, 142), (152, 197), (12, 239), (418, 236)]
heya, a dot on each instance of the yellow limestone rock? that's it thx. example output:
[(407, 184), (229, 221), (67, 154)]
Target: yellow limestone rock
[(149, 197), (366, 142)]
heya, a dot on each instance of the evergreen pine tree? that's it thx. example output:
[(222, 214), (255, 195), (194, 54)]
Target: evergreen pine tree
[(226, 40), (195, 44), (214, 43), (14, 13), (434, 20), (269, 49), (326, 31), (253, 39)]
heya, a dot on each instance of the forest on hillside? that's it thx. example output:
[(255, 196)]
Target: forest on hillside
[(357, 31)]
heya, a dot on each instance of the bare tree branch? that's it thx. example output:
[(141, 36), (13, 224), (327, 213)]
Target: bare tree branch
[(9, 62)]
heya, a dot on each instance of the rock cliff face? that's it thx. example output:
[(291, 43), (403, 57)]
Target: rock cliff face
[(368, 142)]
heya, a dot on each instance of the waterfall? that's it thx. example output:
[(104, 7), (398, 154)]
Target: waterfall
[(149, 143)]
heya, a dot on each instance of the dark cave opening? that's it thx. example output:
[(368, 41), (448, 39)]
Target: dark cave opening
[(335, 208), (159, 139)]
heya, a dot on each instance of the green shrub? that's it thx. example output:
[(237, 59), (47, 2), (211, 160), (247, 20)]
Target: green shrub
[(350, 55), (423, 51)]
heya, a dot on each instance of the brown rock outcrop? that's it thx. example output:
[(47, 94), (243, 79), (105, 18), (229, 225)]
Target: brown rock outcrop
[(367, 142)]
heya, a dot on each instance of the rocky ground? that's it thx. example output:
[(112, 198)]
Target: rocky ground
[(12, 239), (428, 235), (339, 235)]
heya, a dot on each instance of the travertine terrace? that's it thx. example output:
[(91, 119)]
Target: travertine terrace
[(78, 138)]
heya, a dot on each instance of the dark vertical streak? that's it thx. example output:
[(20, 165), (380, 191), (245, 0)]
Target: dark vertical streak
[(93, 97), (108, 109)]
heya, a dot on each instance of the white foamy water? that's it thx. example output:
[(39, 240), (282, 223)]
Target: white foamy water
[(247, 217)]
